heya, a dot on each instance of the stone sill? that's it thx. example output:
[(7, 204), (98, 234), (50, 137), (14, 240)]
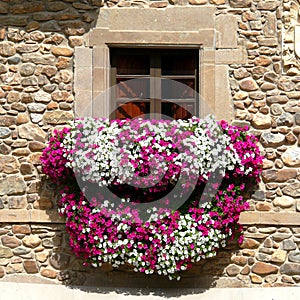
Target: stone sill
[(52, 216), (36, 291)]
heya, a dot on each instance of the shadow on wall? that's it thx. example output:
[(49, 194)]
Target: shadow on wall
[(37, 40)]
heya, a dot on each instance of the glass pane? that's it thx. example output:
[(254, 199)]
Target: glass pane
[(178, 64), (178, 110), (133, 88), (132, 110), (133, 65), (178, 89)]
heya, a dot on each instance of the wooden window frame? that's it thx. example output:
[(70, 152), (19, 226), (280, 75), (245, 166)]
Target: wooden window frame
[(155, 56)]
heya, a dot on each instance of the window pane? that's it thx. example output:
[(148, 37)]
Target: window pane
[(178, 89), (133, 65), (178, 64), (133, 88), (132, 110), (178, 110)]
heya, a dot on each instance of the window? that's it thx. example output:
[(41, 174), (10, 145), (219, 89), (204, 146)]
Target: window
[(154, 83)]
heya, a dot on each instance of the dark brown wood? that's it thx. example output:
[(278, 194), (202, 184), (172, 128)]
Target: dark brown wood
[(148, 77)]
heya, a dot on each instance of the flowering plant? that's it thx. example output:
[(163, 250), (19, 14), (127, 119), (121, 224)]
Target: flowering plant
[(123, 208)]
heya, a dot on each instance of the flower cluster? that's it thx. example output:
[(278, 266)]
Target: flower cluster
[(53, 159), (142, 161), (100, 150)]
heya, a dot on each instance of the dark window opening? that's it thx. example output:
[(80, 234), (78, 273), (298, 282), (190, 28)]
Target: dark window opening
[(154, 83)]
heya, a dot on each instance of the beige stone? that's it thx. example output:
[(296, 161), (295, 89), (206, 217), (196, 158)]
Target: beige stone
[(199, 17), (37, 58), (284, 202), (12, 184), (36, 146), (75, 41), (10, 241), (261, 121), (64, 76), (233, 270), (226, 26), (57, 117), (2, 33), (52, 106), (9, 164), (34, 158), (61, 51), (7, 49), (30, 266), (268, 5), (27, 48), (269, 139), (262, 61), (59, 96), (21, 229), (17, 202), (239, 260), (279, 175), (49, 70), (217, 2), (291, 157), (42, 256), (240, 3), (241, 95), (262, 268), (249, 243), (222, 94), (43, 203), (255, 278), (32, 241), (83, 57), (7, 121), (263, 206), (231, 56), (22, 118), (49, 273), (14, 268), (5, 252), (42, 96), (32, 132), (161, 4), (197, 2), (13, 97), (248, 84), (63, 62), (279, 256)]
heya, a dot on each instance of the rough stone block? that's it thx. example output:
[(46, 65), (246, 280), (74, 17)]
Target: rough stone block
[(30, 266), (262, 268), (13, 184)]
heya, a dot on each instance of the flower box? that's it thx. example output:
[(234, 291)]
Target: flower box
[(157, 195)]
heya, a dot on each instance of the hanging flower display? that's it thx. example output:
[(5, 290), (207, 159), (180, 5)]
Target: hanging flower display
[(157, 195)]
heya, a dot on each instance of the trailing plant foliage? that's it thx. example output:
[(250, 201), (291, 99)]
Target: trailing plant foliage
[(117, 180)]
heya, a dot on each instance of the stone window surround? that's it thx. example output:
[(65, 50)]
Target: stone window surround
[(215, 37)]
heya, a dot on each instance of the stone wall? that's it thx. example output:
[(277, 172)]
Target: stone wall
[(38, 40)]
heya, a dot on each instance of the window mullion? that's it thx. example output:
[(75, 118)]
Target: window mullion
[(155, 85)]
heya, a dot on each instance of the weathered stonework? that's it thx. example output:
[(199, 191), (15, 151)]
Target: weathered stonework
[(54, 61)]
